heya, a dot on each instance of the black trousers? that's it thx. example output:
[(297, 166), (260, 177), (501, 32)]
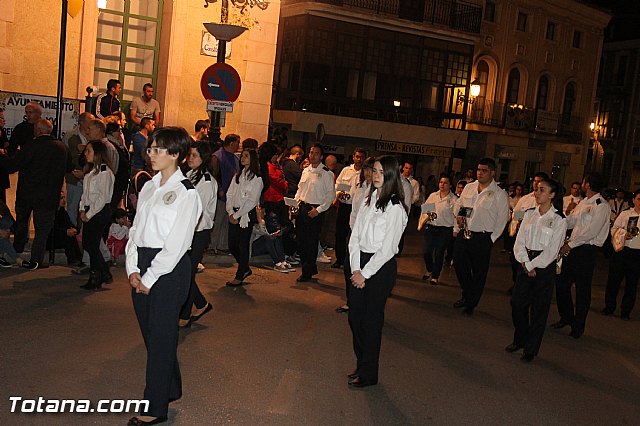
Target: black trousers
[(530, 304), (347, 275), (91, 234), (198, 245), (577, 268), (366, 317), (436, 241), (43, 220), (308, 235), (239, 241), (623, 265), (157, 315), (69, 244), (342, 231), (471, 261)]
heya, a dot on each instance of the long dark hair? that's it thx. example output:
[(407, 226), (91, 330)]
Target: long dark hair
[(556, 188), (204, 151), (254, 166), (392, 186), (366, 165), (100, 156)]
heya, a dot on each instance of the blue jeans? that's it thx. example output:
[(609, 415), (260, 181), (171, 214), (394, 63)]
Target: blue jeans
[(274, 247), (74, 193), (6, 247)]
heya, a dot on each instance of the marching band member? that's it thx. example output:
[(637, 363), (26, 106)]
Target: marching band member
[(372, 247), (489, 215), (158, 267), (536, 249), (625, 264), (439, 232)]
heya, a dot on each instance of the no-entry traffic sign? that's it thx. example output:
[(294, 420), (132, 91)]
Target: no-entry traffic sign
[(220, 82)]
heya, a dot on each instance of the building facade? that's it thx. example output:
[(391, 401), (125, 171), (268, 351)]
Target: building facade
[(162, 42)]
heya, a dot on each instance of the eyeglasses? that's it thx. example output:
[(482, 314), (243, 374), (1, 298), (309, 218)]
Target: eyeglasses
[(155, 150)]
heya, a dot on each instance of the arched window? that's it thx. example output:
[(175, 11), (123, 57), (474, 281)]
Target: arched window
[(513, 86), (482, 74), (543, 93), (570, 94)]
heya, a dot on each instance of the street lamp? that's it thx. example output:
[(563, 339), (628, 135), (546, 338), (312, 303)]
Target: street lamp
[(598, 152), (474, 92)]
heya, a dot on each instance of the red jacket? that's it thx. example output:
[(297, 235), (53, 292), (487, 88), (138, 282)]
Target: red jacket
[(277, 184)]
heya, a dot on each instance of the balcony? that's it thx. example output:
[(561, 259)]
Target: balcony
[(519, 117), (454, 14)]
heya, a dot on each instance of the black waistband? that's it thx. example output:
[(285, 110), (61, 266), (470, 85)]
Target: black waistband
[(302, 203), (533, 253)]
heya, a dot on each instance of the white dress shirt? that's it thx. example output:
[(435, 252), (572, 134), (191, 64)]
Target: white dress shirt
[(490, 208), (621, 222), (590, 222), (243, 195), (207, 189), (378, 232), (617, 207), (525, 203), (408, 191), (415, 190), (316, 186), (349, 176), (166, 218), (97, 190), (444, 209), (540, 233), (568, 200), (358, 198)]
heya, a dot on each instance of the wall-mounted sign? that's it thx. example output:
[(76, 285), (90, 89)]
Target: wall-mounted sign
[(547, 122), (213, 105), (414, 149), (220, 82), (209, 46)]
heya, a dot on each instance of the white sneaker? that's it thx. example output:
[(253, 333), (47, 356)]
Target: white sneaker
[(281, 267), (289, 267), (323, 258)]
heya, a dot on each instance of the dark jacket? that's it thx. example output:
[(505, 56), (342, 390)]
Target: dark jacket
[(4, 176), (21, 135), (107, 105), (42, 165)]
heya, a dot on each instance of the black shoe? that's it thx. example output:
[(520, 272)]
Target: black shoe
[(337, 265), (107, 278), (357, 382), (426, 276), (95, 281), (576, 333), (560, 324), (247, 275), (81, 269), (134, 421), (232, 284), (459, 303), (4, 263), (353, 374), (468, 311), (607, 311), (207, 308), (27, 264), (625, 317), (303, 279), (527, 357), (513, 347), (342, 309)]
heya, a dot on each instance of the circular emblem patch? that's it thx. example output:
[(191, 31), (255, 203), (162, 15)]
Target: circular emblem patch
[(169, 197)]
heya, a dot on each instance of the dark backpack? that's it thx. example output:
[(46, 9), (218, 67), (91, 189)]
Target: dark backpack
[(124, 168)]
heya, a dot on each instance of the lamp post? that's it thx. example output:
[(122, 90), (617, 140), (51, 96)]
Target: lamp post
[(224, 32)]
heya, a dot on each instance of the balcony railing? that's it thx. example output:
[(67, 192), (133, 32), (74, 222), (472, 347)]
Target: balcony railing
[(455, 14), (518, 117)]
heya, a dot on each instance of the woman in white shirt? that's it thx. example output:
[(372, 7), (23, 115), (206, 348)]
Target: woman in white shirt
[(625, 264), (158, 267), (199, 161), (372, 248), (439, 232), (95, 211), (242, 198), (536, 248)]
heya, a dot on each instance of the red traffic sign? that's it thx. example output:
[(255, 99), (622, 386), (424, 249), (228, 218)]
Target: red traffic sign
[(220, 82)]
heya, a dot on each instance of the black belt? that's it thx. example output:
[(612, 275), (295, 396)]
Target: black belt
[(533, 254), (313, 206), (481, 232)]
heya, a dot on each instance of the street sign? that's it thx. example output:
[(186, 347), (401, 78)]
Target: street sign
[(218, 106), (220, 82)]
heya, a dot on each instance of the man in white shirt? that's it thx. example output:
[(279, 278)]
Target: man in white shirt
[(590, 224), (489, 214), (407, 173), (316, 192), (574, 197), (350, 175)]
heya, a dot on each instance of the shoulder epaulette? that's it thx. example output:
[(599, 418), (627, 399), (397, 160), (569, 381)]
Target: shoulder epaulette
[(598, 201), (207, 177), (103, 167), (559, 213), (326, 169), (395, 199), (187, 184), (530, 209)]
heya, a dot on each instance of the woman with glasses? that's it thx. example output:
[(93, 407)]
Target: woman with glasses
[(95, 210), (372, 248), (242, 198), (158, 267)]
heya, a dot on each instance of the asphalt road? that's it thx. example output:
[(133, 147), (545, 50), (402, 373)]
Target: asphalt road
[(276, 353)]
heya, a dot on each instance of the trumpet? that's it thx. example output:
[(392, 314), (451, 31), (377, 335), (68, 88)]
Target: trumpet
[(464, 213), (344, 196), (634, 231), (294, 206), (431, 216)]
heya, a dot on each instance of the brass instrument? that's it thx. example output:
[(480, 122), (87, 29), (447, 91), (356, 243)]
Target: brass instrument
[(344, 196), (342, 190), (465, 213), (634, 231), (431, 216), (294, 206)]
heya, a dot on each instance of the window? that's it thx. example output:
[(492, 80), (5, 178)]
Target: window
[(551, 31), (127, 45), (543, 92), (490, 12), (522, 22), (622, 70), (513, 86), (569, 102), (577, 39)]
